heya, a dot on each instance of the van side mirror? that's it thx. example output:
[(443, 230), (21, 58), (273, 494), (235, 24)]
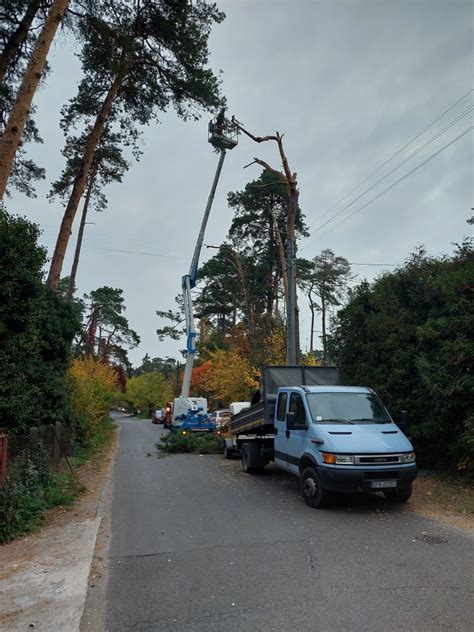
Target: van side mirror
[(404, 420)]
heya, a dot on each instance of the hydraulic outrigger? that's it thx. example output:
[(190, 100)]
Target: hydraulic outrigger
[(223, 136)]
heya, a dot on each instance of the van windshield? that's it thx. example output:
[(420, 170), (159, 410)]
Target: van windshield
[(346, 408)]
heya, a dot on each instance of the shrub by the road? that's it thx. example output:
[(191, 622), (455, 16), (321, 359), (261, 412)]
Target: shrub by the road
[(409, 335), (94, 388), (198, 443), (37, 327), (30, 489)]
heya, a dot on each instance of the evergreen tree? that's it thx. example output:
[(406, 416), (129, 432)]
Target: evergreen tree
[(409, 336), (108, 334), (138, 61), (324, 280), (19, 21), (108, 165), (20, 110), (37, 327)]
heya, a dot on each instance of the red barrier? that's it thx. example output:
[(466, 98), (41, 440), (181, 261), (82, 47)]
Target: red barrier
[(3, 458)]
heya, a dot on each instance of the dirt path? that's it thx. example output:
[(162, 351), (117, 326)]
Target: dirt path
[(443, 499)]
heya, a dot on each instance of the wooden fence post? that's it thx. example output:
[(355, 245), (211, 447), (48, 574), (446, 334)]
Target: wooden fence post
[(3, 458)]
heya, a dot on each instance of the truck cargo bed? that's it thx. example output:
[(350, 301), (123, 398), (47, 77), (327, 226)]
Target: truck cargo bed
[(254, 419), (258, 419)]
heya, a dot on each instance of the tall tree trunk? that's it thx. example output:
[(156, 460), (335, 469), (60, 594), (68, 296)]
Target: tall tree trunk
[(290, 180), (235, 259), (80, 181), (269, 294), (269, 307), (297, 332), (323, 319), (311, 336), (107, 345), (16, 39), (275, 292), (281, 255), (80, 234), (11, 137)]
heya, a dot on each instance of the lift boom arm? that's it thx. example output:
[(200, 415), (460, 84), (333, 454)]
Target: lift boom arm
[(188, 282)]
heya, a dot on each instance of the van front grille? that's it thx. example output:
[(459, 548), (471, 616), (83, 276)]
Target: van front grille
[(382, 475)]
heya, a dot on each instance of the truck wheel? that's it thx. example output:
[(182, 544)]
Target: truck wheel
[(313, 494), (228, 452), (247, 468), (398, 495)]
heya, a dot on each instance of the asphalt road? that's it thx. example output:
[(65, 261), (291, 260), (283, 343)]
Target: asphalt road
[(199, 545)]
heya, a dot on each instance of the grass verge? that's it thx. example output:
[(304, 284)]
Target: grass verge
[(32, 487)]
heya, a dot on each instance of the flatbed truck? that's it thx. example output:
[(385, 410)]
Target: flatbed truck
[(335, 438)]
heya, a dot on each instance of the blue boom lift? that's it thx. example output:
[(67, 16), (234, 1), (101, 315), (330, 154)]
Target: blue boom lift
[(190, 414)]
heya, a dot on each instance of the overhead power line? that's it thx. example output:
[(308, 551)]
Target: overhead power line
[(131, 252), (400, 164), (376, 197), (135, 252), (399, 151), (378, 265), (94, 236)]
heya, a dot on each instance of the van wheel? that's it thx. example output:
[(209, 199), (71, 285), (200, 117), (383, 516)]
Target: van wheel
[(398, 495), (247, 468), (313, 493), (228, 452)]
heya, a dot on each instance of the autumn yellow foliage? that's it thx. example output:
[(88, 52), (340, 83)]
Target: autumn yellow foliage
[(94, 388), (230, 377), (148, 391), (275, 347)]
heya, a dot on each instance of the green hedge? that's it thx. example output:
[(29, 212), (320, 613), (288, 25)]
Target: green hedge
[(409, 336)]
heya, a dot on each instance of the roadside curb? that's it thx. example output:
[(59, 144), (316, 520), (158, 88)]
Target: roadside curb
[(93, 612)]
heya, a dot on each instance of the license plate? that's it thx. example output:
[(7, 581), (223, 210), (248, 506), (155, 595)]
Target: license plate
[(383, 484)]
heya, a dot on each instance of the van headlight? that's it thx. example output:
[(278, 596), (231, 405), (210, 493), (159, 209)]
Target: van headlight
[(408, 458), (337, 459)]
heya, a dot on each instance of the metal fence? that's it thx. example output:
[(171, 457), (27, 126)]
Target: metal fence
[(54, 440)]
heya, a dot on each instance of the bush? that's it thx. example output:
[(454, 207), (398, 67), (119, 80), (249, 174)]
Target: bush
[(198, 443), (37, 327), (30, 489), (408, 335), (94, 388)]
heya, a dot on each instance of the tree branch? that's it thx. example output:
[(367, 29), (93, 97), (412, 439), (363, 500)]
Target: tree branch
[(267, 167)]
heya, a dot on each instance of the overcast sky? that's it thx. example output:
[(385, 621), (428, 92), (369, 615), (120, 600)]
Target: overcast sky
[(349, 83)]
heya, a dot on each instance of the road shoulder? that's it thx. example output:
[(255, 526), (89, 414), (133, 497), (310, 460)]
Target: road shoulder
[(44, 576), (447, 500)]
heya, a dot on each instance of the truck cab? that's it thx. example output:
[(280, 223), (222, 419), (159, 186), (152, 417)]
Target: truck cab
[(341, 439)]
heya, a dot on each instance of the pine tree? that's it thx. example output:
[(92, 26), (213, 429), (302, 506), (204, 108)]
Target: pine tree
[(137, 63), (18, 116)]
